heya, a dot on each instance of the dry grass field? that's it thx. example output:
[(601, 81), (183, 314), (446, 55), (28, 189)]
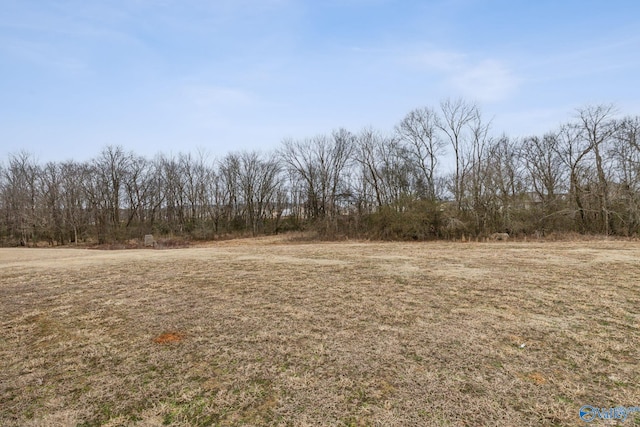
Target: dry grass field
[(274, 332)]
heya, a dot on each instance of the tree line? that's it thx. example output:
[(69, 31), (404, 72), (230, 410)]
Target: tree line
[(439, 174)]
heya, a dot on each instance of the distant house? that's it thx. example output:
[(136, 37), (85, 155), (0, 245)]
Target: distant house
[(532, 199)]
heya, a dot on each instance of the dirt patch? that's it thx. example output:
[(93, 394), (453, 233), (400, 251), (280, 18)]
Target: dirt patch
[(168, 338), (536, 378)]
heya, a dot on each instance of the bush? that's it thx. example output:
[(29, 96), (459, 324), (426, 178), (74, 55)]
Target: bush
[(418, 220)]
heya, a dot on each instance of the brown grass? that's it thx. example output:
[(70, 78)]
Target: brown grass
[(268, 332)]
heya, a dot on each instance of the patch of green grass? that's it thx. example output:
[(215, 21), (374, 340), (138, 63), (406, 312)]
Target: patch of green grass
[(564, 399), (198, 411)]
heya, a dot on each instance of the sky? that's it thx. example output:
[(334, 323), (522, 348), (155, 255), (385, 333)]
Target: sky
[(227, 75)]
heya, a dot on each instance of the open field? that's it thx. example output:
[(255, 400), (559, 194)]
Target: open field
[(269, 332)]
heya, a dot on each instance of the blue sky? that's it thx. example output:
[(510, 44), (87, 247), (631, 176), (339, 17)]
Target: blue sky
[(170, 76)]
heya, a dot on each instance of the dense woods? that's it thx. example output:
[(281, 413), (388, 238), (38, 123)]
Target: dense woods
[(439, 174)]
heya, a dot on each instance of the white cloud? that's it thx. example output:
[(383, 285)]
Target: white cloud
[(487, 80)]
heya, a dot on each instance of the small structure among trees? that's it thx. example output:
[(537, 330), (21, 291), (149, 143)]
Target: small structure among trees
[(149, 240)]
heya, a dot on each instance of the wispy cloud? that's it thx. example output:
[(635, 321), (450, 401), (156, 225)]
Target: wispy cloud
[(520, 121), (484, 80), (217, 97), (42, 54), (212, 107), (581, 60), (86, 20), (440, 60)]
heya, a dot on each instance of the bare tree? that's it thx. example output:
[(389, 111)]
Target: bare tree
[(335, 180), (544, 166), (74, 200), (111, 168), (504, 185), (320, 163), (173, 185), (216, 198), (419, 131), (546, 181), (301, 158), (229, 176), (598, 129), (625, 155), (456, 116), (476, 163), (370, 143), (258, 179), (138, 188), (21, 197), (51, 204), (574, 152), (5, 216), (195, 174), (340, 156)]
